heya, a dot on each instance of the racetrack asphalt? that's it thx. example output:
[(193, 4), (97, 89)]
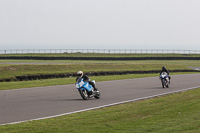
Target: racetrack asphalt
[(40, 102)]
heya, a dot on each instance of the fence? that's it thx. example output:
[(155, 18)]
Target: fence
[(117, 51)]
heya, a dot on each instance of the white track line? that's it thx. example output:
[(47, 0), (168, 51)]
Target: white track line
[(162, 94)]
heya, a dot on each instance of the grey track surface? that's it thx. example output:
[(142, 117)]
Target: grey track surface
[(32, 103)]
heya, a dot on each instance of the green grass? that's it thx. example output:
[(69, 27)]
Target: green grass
[(55, 67), (56, 62), (172, 113)]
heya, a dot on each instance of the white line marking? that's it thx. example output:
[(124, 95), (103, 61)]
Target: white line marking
[(103, 106)]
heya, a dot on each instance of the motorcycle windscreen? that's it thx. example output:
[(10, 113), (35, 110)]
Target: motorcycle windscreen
[(79, 83), (164, 75)]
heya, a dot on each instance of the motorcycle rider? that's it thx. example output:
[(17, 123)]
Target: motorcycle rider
[(85, 79), (164, 69)]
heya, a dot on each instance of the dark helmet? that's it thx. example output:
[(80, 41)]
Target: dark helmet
[(164, 68)]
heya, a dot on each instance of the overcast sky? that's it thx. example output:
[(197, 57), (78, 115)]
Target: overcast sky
[(127, 24)]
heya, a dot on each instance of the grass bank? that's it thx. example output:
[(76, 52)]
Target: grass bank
[(56, 67), (172, 113)]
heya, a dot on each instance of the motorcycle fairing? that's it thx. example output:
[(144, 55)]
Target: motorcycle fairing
[(83, 85)]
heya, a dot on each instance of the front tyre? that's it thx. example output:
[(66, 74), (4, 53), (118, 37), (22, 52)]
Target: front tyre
[(163, 83), (84, 94)]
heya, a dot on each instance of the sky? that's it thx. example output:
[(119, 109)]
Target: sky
[(100, 24)]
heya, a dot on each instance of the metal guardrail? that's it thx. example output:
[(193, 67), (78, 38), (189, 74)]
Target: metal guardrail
[(117, 51)]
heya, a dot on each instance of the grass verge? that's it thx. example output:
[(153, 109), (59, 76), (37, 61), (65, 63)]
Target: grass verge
[(12, 70), (171, 113)]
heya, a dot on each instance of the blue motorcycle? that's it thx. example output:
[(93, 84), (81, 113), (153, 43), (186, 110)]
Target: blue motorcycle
[(164, 79), (86, 90)]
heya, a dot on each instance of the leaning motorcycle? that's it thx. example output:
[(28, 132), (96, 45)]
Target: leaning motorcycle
[(86, 90), (164, 80)]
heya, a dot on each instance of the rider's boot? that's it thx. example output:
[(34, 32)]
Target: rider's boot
[(97, 92)]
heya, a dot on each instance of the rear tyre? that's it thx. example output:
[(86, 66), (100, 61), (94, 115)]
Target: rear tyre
[(84, 94), (167, 84), (97, 95)]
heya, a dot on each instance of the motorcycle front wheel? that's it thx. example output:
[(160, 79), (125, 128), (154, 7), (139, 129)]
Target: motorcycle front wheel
[(163, 83), (83, 94)]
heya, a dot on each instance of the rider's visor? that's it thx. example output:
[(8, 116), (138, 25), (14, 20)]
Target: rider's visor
[(79, 75)]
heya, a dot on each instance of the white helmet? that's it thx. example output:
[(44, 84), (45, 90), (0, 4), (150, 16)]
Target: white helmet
[(79, 73)]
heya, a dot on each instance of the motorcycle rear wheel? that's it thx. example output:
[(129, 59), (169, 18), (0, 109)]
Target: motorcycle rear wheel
[(167, 84), (97, 96)]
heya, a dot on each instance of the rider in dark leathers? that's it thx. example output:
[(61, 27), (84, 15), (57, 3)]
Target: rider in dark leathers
[(164, 69), (85, 79)]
